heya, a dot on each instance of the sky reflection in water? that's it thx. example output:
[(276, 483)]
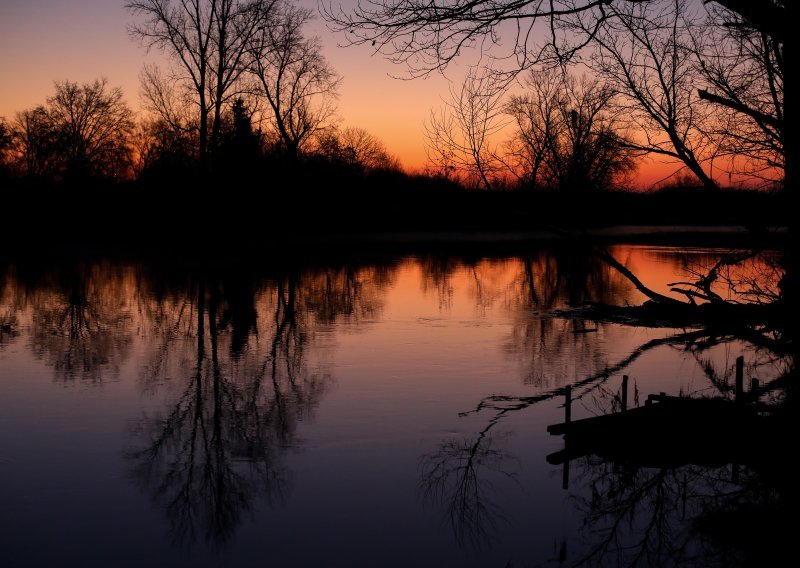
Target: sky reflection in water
[(383, 414)]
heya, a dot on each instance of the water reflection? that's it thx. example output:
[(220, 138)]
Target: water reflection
[(684, 516), (688, 511), (632, 514), (238, 356), (539, 342), (707, 492), (458, 478), (9, 308), (81, 319), (231, 365), (218, 444)]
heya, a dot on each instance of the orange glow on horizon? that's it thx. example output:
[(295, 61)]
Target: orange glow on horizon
[(49, 41)]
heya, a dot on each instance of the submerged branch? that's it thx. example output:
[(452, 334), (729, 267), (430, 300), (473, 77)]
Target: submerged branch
[(521, 402)]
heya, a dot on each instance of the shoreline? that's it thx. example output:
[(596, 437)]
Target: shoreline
[(349, 246)]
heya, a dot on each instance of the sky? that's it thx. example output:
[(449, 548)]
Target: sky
[(42, 41)]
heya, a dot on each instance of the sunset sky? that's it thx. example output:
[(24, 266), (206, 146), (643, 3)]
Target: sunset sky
[(42, 41)]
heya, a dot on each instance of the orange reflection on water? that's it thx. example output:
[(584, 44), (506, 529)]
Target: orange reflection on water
[(751, 278)]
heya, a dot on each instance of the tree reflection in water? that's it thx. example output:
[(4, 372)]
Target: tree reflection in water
[(632, 514), (555, 279), (240, 356), (80, 317), (9, 308), (681, 516), (458, 477)]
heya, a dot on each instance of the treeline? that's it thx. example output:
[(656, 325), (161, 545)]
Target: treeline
[(245, 93), (239, 134), (88, 134)]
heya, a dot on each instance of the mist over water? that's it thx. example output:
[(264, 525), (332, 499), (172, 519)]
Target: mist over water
[(381, 413)]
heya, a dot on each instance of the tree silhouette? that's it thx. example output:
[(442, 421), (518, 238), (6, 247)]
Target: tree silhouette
[(459, 135), (743, 67), (240, 145), (162, 151), (92, 125), (429, 36), (645, 55), (82, 132), (6, 140), (208, 40), (355, 147), (35, 143), (294, 77), (567, 136)]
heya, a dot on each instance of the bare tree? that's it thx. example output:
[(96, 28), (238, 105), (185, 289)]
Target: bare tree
[(34, 143), (208, 40), (92, 125), (460, 133), (168, 99), (644, 53), (535, 117), (294, 77), (82, 131), (428, 36), (566, 136), (744, 69), (357, 147)]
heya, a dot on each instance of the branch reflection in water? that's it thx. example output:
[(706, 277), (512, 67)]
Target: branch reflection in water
[(81, 318), (232, 360), (239, 359), (632, 513)]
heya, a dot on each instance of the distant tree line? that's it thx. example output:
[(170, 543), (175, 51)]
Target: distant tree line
[(245, 88), (88, 133)]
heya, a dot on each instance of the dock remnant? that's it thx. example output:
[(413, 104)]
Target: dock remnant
[(669, 431)]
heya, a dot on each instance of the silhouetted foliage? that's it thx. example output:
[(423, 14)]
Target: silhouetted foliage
[(208, 40), (163, 152), (357, 148), (240, 146), (6, 141), (81, 133), (567, 136)]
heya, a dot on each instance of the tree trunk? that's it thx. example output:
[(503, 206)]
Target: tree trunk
[(203, 130)]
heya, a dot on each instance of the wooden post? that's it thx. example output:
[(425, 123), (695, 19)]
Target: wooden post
[(567, 404), (739, 378), (624, 393), (565, 475), (754, 385)]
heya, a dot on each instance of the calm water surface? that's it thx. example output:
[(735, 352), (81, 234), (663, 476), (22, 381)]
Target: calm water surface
[(390, 413)]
